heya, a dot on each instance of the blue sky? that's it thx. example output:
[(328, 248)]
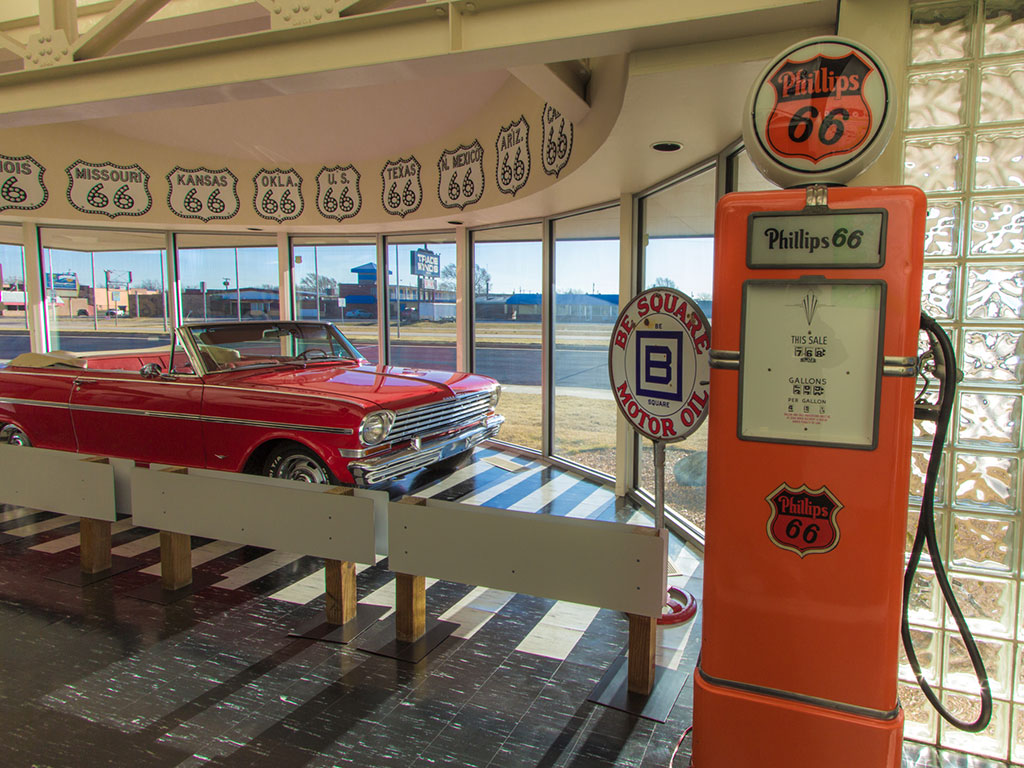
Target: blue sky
[(588, 266)]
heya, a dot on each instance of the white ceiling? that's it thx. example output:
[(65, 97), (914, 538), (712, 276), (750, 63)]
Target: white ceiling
[(313, 128)]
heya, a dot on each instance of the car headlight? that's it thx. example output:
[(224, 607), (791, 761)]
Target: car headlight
[(495, 396), (375, 427)]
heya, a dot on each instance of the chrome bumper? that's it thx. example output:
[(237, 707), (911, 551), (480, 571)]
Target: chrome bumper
[(377, 469)]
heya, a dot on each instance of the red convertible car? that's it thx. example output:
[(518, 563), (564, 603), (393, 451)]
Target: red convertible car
[(285, 399)]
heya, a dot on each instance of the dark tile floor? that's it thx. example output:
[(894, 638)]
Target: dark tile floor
[(92, 677)]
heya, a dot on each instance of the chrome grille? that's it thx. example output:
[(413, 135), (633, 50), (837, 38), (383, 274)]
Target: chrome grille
[(440, 417)]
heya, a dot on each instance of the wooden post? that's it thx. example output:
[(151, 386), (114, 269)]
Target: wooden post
[(643, 633), (410, 607), (95, 545), (175, 560), (340, 576)]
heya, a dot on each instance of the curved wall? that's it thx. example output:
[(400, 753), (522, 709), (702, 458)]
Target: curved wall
[(515, 146)]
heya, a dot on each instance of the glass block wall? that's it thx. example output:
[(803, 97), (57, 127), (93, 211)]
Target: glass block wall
[(964, 146)]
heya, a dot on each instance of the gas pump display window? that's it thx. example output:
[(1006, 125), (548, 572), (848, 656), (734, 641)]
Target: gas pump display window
[(829, 239), (811, 362)]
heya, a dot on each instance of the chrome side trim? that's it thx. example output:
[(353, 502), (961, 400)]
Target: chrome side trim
[(180, 416), (800, 698), (899, 366), (725, 359), (275, 424), (37, 403), (392, 465)]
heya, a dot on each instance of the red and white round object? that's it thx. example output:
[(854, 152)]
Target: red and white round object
[(820, 113), (658, 364)]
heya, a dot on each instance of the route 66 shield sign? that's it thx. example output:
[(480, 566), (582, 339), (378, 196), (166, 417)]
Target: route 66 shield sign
[(108, 188), (819, 113), (556, 144), (460, 175), (278, 194), (802, 520), (401, 191), (337, 192), (201, 193), (21, 183), (513, 147)]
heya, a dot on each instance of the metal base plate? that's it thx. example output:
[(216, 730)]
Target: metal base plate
[(318, 629), (612, 690), (76, 578), (154, 592), (381, 640)]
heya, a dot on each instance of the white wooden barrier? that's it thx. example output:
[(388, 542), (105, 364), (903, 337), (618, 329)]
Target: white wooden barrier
[(57, 481), (278, 514), (610, 565)]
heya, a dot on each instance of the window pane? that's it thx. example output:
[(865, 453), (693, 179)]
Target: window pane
[(507, 328), (746, 177), (586, 263), (337, 281), (678, 225), (13, 319), (104, 289), (421, 312), (229, 277)]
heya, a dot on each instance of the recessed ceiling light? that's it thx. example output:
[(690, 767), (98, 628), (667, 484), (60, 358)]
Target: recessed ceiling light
[(667, 146)]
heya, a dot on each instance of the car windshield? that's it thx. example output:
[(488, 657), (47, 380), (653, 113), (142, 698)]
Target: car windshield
[(230, 346)]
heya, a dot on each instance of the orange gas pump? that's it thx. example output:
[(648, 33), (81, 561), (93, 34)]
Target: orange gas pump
[(813, 372), (814, 364)]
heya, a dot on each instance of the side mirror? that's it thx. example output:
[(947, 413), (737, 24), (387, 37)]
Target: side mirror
[(151, 371)]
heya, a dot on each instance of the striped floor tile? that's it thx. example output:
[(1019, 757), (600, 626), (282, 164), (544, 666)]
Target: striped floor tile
[(74, 539), (200, 555), (476, 609), (256, 569), (557, 633)]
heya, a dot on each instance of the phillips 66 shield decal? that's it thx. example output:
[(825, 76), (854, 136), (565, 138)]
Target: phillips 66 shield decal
[(819, 113), (802, 520)]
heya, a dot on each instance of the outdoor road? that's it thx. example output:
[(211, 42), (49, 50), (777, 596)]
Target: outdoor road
[(574, 367)]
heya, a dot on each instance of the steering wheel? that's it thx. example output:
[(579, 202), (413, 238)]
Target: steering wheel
[(312, 353)]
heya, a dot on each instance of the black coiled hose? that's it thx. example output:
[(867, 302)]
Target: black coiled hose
[(946, 371)]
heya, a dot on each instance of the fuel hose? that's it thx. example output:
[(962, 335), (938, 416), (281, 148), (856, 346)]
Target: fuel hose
[(946, 372)]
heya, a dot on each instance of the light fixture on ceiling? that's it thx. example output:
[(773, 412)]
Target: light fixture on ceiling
[(667, 146)]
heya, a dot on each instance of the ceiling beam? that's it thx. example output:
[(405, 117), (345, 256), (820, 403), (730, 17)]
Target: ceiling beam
[(9, 43), (115, 26), (563, 85), (406, 42), (59, 15)]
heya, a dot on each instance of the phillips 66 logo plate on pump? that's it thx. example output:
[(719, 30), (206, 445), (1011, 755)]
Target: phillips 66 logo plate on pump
[(820, 113), (658, 364)]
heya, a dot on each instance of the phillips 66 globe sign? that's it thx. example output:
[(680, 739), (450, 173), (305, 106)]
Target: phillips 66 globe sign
[(658, 364), (820, 113)]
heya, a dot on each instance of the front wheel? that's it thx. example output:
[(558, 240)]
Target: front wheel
[(12, 435), (298, 463)]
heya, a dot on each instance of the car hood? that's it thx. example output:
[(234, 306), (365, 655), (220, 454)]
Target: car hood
[(385, 386)]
